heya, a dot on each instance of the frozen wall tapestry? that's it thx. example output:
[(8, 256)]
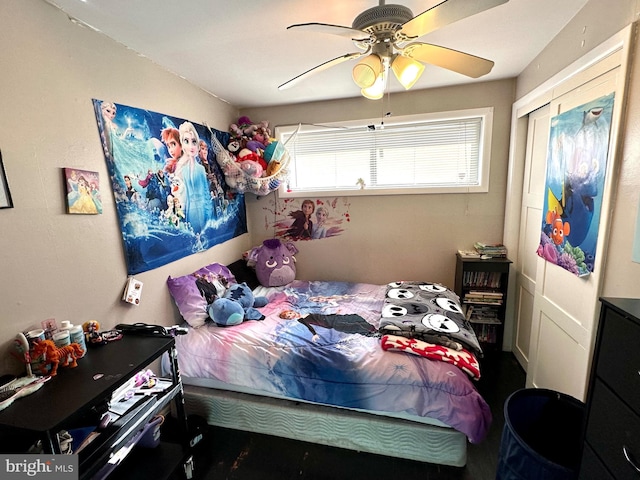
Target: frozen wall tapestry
[(576, 166), (170, 194)]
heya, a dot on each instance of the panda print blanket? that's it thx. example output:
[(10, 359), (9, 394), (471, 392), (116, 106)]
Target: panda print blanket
[(429, 312)]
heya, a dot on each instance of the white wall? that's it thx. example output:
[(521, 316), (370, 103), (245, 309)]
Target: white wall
[(396, 237), (622, 275), (71, 267), (595, 23)]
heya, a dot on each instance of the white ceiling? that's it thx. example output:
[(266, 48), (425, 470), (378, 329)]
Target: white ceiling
[(241, 50)]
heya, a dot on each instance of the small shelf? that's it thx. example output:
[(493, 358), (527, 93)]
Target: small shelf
[(117, 437), (482, 285)]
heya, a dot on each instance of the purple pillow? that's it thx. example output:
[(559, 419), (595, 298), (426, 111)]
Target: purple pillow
[(194, 292)]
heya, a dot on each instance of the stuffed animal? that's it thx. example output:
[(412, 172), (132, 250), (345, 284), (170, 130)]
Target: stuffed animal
[(246, 154), (274, 262), (252, 168), (233, 147), (274, 150), (237, 305), (273, 167), (244, 127)]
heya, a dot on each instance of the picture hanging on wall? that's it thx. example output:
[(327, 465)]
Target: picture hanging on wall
[(306, 218), (576, 166), (170, 194), (5, 194), (83, 191)]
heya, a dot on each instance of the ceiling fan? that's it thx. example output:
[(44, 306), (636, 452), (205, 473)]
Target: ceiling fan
[(385, 35)]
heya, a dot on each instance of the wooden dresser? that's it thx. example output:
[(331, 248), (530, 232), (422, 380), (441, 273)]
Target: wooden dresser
[(612, 433)]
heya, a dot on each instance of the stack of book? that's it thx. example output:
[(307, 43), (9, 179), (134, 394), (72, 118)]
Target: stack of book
[(483, 297), (495, 250), (481, 279), (468, 253), (484, 320)]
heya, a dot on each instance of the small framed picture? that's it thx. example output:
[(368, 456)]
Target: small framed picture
[(83, 191), (5, 194)]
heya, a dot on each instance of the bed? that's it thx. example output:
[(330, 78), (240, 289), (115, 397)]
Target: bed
[(338, 368)]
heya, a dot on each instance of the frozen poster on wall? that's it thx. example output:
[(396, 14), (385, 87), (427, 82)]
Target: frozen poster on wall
[(306, 218), (170, 193), (576, 167)]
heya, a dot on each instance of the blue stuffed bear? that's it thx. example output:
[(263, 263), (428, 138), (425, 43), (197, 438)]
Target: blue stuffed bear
[(236, 305)]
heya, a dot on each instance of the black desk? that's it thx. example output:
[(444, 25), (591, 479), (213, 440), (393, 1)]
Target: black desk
[(71, 394)]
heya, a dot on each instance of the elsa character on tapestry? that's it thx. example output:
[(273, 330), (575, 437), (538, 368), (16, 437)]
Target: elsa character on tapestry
[(154, 232), (195, 199)]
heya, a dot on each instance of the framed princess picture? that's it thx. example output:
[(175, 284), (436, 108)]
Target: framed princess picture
[(83, 191)]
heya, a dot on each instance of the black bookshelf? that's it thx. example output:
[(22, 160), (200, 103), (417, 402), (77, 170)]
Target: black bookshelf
[(482, 285)]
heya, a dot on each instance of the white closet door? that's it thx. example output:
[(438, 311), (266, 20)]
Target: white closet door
[(529, 237), (565, 307)]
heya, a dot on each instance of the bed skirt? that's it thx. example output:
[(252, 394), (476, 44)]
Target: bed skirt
[(325, 425)]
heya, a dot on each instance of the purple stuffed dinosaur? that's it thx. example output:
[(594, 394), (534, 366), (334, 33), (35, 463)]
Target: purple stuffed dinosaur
[(275, 262)]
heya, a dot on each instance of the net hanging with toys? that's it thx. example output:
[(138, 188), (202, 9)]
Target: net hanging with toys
[(252, 162)]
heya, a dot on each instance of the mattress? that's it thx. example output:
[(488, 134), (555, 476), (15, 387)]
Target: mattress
[(330, 367), (335, 427)]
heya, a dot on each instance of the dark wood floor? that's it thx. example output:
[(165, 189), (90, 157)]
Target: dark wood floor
[(233, 455)]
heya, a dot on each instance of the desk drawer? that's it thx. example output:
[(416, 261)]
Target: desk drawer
[(612, 428), (619, 360), (591, 467)]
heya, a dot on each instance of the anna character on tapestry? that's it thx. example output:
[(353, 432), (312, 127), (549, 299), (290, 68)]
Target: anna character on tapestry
[(169, 203)]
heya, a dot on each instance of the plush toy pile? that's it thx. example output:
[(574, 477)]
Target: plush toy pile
[(252, 161)]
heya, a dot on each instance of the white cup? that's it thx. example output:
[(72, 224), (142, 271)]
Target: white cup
[(76, 335), (35, 336), (61, 338)]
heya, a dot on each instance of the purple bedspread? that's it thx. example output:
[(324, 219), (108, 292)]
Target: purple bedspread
[(282, 357)]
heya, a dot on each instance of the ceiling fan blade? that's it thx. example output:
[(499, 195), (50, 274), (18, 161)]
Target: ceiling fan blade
[(445, 13), (448, 58), (347, 32), (320, 68)]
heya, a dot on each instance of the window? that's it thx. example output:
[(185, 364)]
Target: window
[(430, 153)]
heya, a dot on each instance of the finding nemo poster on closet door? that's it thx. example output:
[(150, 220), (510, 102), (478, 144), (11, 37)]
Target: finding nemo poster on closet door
[(576, 167)]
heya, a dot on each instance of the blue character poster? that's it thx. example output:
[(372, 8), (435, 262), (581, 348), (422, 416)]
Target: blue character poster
[(170, 193), (576, 167)]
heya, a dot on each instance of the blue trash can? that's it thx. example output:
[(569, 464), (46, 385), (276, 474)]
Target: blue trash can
[(542, 436)]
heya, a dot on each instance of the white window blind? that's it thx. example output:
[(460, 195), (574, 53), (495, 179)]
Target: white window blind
[(429, 153)]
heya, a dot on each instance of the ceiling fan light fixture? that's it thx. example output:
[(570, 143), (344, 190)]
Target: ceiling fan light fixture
[(367, 71), (407, 70), (376, 91)]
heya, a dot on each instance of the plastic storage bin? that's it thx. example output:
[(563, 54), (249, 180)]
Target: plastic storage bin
[(542, 436)]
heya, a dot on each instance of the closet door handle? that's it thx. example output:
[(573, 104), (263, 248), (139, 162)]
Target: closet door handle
[(630, 458)]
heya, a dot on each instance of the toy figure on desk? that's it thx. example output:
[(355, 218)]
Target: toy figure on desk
[(57, 356), (92, 335)]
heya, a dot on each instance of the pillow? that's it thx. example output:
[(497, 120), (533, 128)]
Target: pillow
[(194, 292), (244, 273)]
